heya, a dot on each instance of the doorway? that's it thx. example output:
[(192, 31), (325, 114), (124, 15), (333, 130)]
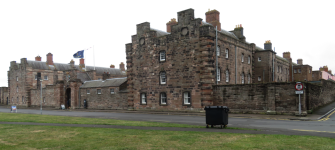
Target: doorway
[(68, 98)]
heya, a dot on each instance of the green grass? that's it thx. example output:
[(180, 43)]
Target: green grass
[(72, 138), (17, 117)]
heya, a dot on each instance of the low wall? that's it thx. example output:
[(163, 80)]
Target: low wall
[(274, 98)]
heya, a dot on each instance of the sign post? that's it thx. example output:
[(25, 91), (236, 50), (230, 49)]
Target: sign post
[(299, 90)]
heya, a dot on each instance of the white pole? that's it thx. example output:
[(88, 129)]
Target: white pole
[(299, 106), (41, 93), (93, 58)]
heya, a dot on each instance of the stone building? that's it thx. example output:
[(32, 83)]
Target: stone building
[(302, 72), (323, 73), (59, 83), (4, 95), (105, 94), (176, 69)]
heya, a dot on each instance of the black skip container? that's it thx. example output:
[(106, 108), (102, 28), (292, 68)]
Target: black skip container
[(216, 115)]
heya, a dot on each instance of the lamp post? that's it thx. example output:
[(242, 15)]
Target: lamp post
[(41, 93)]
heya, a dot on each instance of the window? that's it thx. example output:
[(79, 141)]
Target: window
[(17, 78), (227, 53), (163, 98), (259, 78), (309, 71), (43, 99), (162, 56), (218, 51), (187, 98), (45, 77), (295, 70), (227, 76), (143, 98), (99, 91), (299, 70), (35, 77), (312, 75), (249, 59), (242, 57), (218, 75), (17, 99), (277, 68), (112, 91), (259, 59), (249, 78), (22, 99), (242, 78), (163, 78), (17, 89), (88, 91)]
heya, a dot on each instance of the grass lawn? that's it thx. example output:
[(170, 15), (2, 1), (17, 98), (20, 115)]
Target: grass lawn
[(72, 138), (17, 117)]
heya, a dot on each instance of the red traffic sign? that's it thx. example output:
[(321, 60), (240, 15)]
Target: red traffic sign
[(299, 86)]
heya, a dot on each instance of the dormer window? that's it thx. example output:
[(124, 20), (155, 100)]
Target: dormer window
[(162, 56)]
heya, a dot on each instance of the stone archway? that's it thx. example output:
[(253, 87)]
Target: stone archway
[(68, 98)]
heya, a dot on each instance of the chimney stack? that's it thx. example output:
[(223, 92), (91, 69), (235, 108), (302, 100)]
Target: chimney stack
[(50, 59), (268, 45), (238, 31), (112, 66), (287, 55), (170, 23), (213, 17), (72, 63), (299, 61), (38, 58), (122, 66), (82, 63)]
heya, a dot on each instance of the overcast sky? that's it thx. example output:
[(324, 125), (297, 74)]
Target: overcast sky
[(30, 27)]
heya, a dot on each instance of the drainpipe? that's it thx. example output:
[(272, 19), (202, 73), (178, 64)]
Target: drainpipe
[(235, 64), (216, 53), (273, 66)]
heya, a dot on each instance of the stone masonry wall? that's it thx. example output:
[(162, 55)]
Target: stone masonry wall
[(105, 100)]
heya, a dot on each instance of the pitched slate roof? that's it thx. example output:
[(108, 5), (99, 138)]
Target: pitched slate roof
[(160, 32), (115, 82), (62, 67)]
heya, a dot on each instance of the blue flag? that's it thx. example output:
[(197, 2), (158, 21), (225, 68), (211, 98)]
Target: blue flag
[(79, 54)]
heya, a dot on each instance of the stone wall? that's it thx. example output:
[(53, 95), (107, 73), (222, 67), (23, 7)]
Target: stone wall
[(278, 98), (105, 100)]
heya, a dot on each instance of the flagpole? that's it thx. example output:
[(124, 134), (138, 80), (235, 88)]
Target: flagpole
[(93, 58)]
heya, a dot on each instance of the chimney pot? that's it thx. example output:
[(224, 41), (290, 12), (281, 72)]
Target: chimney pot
[(112, 66), (213, 17), (268, 45), (170, 23)]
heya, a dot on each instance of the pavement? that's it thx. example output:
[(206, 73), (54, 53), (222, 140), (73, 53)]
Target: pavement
[(309, 117)]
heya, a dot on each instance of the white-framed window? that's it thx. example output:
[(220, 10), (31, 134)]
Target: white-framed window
[(249, 78), (227, 75), (143, 98), (242, 57), (187, 98), (45, 77), (218, 75), (259, 78), (112, 91), (17, 78), (227, 52), (99, 91), (242, 78), (162, 78), (162, 56), (295, 70), (218, 51), (163, 98), (249, 59), (259, 59), (299, 70), (88, 91)]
